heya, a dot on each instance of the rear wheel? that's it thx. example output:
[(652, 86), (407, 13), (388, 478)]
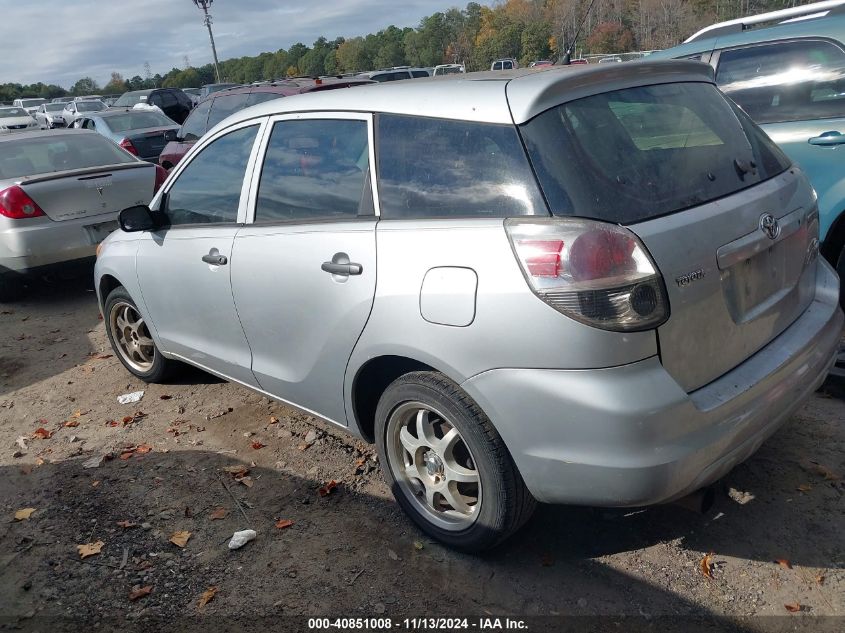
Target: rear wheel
[(131, 341), (447, 466)]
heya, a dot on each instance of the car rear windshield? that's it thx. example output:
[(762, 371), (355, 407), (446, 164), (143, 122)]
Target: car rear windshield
[(55, 107), (137, 120), (129, 99), (90, 106), (12, 113), (29, 103), (47, 154), (636, 154)]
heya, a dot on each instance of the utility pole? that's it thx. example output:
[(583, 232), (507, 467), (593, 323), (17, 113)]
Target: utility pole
[(203, 4)]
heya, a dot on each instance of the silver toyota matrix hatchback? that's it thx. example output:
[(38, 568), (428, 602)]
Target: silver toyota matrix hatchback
[(583, 285)]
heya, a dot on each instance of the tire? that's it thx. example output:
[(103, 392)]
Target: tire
[(131, 341), (471, 517), (11, 289)]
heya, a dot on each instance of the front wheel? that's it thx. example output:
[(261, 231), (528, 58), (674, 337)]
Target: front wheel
[(447, 466), (131, 341)]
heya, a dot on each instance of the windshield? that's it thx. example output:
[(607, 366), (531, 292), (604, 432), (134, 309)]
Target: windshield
[(47, 154), (31, 103), (136, 120), (90, 106), (9, 113), (636, 154), (54, 107), (129, 99)]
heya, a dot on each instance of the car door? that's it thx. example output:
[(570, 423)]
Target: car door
[(795, 90), (303, 267), (183, 269), (69, 113)]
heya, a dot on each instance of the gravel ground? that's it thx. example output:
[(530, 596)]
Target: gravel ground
[(159, 470)]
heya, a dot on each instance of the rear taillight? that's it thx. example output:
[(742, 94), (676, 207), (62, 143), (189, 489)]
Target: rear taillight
[(596, 273), (161, 176), (17, 205), (128, 146)]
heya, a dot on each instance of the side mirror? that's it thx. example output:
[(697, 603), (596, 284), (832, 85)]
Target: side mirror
[(170, 136), (136, 219)]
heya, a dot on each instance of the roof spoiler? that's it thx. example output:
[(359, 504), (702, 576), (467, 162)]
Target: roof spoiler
[(807, 11)]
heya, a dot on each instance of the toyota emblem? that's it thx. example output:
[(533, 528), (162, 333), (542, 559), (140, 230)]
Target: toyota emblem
[(770, 226)]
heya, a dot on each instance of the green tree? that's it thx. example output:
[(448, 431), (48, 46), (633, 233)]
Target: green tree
[(85, 86)]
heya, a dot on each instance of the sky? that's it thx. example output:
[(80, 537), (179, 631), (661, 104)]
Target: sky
[(58, 42)]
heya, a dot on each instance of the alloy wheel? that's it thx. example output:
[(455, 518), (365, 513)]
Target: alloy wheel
[(132, 337), (433, 465)]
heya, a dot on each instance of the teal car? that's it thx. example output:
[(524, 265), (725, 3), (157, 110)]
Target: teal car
[(786, 69)]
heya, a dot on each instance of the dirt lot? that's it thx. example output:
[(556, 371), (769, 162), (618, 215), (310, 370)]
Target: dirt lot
[(351, 553)]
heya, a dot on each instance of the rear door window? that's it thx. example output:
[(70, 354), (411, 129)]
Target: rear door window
[(635, 154), (438, 168), (796, 80), (225, 105), (315, 170)]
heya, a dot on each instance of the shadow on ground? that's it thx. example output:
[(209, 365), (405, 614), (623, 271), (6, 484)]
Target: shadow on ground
[(346, 554)]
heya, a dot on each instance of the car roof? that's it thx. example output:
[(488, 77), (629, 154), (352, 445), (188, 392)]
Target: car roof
[(830, 26), (505, 97)]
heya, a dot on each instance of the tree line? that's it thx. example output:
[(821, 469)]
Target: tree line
[(526, 30)]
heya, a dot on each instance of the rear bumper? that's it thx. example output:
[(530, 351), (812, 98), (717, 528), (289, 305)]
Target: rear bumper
[(630, 436), (32, 244)]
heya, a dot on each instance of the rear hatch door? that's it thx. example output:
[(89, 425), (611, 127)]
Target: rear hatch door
[(149, 142), (730, 225)]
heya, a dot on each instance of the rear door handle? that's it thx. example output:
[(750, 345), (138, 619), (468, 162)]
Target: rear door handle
[(216, 260), (828, 138), (342, 269)]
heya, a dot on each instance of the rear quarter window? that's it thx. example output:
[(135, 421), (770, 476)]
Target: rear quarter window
[(632, 155), (438, 168)]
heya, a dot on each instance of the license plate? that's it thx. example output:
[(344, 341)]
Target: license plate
[(98, 232)]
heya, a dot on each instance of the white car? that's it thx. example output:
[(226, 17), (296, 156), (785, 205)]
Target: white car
[(14, 119), (75, 109), (28, 104), (49, 115)]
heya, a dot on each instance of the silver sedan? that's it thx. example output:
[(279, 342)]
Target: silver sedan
[(75, 109), (59, 197), (49, 115)]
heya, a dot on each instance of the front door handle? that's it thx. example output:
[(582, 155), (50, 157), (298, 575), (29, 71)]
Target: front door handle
[(215, 260), (828, 138), (342, 269)]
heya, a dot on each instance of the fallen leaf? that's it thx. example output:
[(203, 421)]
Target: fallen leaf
[(219, 513), (793, 607), (274, 419), (24, 514), (207, 596), (283, 523), (143, 449), (127, 419), (165, 397), (246, 481), (79, 413), (783, 562), (71, 423), (804, 488), (126, 524), (102, 356), (180, 539), (112, 423), (126, 455), (95, 483), (418, 545), (706, 565), (238, 470), (90, 549), (42, 434), (140, 593), (824, 471), (256, 445), (325, 491), (819, 580)]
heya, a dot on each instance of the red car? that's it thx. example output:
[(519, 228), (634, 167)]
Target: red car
[(219, 105)]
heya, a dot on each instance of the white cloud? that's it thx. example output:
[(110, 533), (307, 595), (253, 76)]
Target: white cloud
[(56, 41)]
